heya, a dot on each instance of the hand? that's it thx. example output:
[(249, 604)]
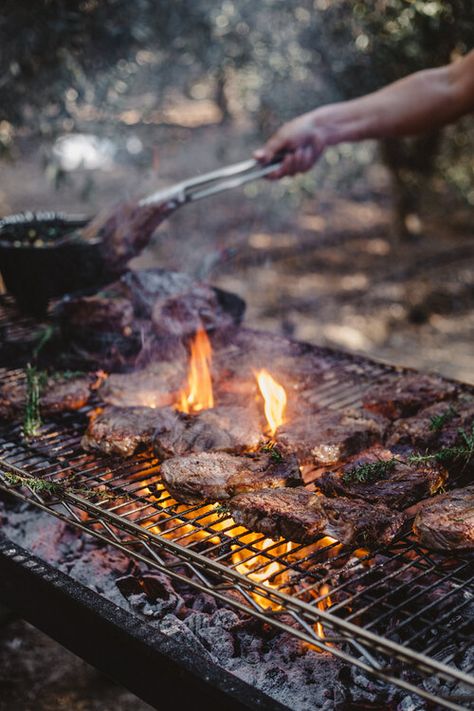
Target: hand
[(300, 140)]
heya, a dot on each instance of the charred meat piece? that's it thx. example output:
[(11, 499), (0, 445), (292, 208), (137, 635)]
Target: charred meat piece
[(154, 386), (434, 427), (231, 429), (404, 395), (214, 476), (59, 393), (328, 437), (122, 430), (446, 523), (302, 516), (378, 477)]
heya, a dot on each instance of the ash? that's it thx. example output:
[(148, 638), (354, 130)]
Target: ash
[(274, 662)]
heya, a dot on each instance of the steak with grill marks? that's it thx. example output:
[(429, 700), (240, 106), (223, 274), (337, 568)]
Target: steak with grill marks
[(215, 476), (123, 430), (446, 523), (328, 437), (433, 427), (403, 395), (224, 428), (58, 394), (302, 516), (397, 485)]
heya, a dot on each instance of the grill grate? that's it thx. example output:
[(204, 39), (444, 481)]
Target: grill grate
[(400, 612)]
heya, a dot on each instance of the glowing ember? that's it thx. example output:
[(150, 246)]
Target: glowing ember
[(198, 394), (274, 396)]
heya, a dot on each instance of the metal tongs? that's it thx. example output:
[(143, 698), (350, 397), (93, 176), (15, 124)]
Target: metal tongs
[(217, 181)]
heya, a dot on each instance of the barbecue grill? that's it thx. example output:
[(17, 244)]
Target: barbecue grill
[(399, 612)]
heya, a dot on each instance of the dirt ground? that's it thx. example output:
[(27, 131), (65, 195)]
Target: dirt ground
[(321, 265)]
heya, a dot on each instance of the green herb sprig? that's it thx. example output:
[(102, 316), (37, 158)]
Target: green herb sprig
[(35, 380), (463, 451), (372, 471), (439, 421), (273, 451), (55, 489)]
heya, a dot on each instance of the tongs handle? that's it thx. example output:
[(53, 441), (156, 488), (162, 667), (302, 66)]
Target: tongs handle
[(217, 181)]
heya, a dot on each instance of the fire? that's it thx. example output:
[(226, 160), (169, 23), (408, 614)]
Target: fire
[(323, 604), (274, 396), (198, 395)]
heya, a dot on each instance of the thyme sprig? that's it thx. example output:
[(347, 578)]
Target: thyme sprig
[(273, 451), (35, 380), (55, 489), (437, 422), (222, 509), (463, 451), (371, 471)]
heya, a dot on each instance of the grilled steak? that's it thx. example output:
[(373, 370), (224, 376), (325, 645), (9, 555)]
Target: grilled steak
[(120, 430), (231, 429), (446, 523), (302, 516), (397, 484), (433, 427), (328, 437), (154, 386), (405, 394), (214, 476), (58, 394)]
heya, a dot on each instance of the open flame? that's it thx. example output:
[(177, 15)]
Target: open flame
[(274, 396), (198, 395)]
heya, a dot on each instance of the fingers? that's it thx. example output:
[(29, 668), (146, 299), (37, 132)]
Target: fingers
[(298, 161)]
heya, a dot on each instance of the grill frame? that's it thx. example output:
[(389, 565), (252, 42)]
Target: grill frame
[(345, 638)]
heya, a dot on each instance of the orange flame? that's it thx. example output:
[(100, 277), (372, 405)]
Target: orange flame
[(198, 395), (274, 396)]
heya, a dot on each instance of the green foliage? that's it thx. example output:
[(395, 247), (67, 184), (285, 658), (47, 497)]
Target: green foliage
[(32, 416), (463, 452)]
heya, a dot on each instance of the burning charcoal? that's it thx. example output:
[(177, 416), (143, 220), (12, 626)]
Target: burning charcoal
[(446, 523), (155, 386), (213, 476), (121, 430), (301, 516), (59, 393), (403, 395), (220, 429), (434, 427), (378, 477), (328, 437)]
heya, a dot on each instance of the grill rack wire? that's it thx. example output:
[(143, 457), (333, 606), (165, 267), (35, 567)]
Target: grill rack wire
[(401, 613)]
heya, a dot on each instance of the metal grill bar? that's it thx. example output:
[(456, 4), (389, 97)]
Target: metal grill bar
[(367, 616)]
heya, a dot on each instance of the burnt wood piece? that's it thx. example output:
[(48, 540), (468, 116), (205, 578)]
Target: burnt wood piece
[(58, 394), (302, 516), (446, 523), (224, 428), (328, 437), (154, 386), (123, 430), (403, 395), (398, 486), (217, 476), (154, 665), (434, 427)]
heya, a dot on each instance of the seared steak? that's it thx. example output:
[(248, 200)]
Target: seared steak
[(231, 429), (154, 386), (403, 395), (214, 476), (58, 394), (446, 523), (433, 427), (302, 516), (122, 430), (398, 484), (328, 437)]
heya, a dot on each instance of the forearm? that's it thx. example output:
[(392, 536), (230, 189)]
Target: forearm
[(423, 101)]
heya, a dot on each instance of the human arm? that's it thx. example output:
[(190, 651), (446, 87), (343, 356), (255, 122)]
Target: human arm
[(423, 101)]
